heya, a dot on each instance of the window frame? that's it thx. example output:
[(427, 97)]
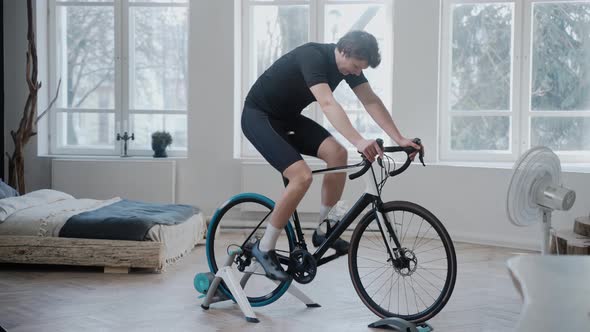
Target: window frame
[(445, 114), (527, 113), (520, 113), (122, 109)]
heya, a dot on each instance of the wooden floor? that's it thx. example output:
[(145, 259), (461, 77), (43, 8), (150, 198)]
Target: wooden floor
[(41, 298)]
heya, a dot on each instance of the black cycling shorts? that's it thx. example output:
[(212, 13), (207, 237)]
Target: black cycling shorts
[(282, 141)]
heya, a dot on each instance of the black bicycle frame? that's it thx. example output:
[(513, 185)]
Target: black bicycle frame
[(365, 200)]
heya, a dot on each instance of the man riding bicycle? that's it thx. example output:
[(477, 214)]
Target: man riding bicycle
[(272, 113)]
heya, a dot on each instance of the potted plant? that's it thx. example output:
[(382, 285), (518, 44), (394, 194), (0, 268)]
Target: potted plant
[(160, 141)]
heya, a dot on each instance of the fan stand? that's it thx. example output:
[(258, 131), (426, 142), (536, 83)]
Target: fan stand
[(546, 231)]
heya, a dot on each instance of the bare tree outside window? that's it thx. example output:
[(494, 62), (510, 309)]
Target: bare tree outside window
[(89, 45), (481, 76), (561, 75)]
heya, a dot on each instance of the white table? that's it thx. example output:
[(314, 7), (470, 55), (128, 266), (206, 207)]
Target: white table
[(555, 291)]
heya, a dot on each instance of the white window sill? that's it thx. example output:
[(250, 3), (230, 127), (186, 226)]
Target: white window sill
[(476, 164), (83, 157), (314, 162), (565, 167)]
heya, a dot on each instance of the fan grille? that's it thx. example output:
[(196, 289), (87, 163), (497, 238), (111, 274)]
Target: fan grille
[(537, 165)]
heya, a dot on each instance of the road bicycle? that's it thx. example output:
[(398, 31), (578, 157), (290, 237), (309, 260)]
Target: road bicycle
[(401, 259)]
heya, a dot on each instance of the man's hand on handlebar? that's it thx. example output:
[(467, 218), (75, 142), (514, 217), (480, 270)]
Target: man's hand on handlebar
[(407, 142), (369, 151), (369, 148)]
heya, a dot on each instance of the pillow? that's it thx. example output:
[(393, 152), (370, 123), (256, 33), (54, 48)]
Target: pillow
[(10, 205), (7, 191)]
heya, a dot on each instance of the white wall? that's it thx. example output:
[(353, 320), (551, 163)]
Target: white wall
[(469, 200)]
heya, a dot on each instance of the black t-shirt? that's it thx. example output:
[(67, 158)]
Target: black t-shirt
[(283, 89)]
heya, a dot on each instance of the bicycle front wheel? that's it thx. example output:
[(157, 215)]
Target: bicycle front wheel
[(416, 281), (240, 220)]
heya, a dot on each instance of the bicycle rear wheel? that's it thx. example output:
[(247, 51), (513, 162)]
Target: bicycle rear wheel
[(415, 288), (240, 220)]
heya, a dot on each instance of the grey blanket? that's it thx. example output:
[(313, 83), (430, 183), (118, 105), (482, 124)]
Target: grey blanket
[(125, 220)]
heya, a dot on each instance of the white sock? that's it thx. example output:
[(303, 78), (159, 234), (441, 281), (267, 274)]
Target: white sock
[(269, 239), (324, 210)]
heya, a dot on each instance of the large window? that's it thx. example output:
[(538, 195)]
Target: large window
[(515, 74), (123, 68), (271, 28)]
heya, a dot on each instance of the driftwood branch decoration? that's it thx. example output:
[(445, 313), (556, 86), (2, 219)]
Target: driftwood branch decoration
[(28, 124), (50, 104)]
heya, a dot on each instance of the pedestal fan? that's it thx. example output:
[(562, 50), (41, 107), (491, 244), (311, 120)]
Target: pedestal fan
[(536, 190)]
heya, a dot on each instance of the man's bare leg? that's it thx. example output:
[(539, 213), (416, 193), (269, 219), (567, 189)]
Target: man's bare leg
[(334, 154), (299, 176)]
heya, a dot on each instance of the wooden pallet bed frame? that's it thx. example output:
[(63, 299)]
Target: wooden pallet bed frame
[(115, 256)]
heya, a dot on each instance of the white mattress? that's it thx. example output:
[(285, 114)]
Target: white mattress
[(179, 239)]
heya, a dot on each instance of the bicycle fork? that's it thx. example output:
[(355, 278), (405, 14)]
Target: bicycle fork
[(382, 221)]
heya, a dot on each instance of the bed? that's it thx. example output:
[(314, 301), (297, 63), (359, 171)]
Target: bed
[(52, 227)]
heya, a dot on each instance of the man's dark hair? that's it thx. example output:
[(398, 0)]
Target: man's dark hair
[(361, 45)]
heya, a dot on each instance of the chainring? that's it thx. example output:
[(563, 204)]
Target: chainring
[(302, 266)]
